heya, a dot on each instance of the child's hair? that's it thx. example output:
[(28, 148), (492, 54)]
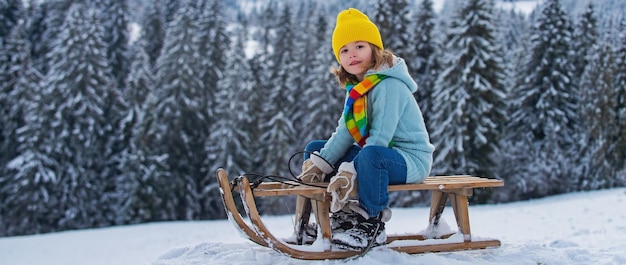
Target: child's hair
[(380, 57)]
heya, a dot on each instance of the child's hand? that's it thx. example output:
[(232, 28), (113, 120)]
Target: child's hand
[(310, 173), (343, 186), (314, 169)]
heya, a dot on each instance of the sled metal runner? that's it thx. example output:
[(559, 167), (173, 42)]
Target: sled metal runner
[(455, 189)]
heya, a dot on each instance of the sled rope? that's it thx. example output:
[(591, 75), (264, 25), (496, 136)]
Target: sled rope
[(305, 152), (259, 178)]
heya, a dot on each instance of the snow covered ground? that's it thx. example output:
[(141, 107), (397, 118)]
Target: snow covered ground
[(578, 228)]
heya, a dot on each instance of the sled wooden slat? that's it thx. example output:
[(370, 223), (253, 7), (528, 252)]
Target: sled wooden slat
[(447, 247), (391, 238), (462, 184)]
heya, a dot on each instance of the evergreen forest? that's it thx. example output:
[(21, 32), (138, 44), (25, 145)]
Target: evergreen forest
[(116, 112)]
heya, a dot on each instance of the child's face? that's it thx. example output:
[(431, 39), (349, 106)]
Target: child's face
[(356, 58)]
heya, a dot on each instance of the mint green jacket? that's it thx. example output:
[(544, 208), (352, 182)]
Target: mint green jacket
[(393, 116)]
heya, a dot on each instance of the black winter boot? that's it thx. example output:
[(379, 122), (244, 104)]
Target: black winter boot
[(367, 233), (339, 223)]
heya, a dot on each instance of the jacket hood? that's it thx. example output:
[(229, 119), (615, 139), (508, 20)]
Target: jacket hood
[(399, 70)]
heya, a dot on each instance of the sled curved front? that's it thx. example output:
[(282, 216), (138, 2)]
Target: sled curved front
[(231, 209)]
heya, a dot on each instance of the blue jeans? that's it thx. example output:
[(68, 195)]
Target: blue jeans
[(377, 167)]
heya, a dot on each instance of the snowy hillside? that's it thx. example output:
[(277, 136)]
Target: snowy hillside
[(578, 228)]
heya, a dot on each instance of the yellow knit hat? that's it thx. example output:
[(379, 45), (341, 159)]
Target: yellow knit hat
[(353, 25)]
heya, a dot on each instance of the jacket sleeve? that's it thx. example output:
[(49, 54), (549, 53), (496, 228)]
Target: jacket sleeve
[(338, 143)]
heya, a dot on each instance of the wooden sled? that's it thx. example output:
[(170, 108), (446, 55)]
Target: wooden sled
[(455, 188)]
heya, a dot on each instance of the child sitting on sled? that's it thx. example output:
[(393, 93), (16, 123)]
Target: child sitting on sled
[(381, 138)]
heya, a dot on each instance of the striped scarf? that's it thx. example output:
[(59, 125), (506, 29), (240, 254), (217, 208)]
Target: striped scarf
[(355, 111)]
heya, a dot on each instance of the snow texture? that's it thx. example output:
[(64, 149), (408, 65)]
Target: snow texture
[(577, 228)]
